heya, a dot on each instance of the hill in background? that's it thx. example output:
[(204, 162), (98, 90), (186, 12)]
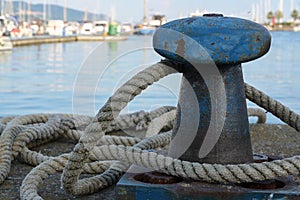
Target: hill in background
[(22, 9)]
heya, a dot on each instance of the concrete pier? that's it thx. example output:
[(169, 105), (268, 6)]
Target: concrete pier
[(58, 39), (270, 139)]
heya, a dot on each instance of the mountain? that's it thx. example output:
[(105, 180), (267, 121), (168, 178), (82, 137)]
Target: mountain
[(53, 12)]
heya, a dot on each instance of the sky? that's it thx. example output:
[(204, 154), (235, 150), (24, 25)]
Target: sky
[(132, 10)]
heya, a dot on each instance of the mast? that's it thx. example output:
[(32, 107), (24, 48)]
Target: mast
[(85, 17), (29, 12), (44, 11), (112, 14), (20, 10), (2, 7), (49, 12), (145, 11), (65, 11), (9, 8)]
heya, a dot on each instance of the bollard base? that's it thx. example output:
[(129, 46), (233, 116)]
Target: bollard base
[(131, 187)]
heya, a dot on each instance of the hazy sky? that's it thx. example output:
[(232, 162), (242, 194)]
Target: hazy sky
[(132, 10)]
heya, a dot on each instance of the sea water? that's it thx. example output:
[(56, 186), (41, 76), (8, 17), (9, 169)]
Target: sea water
[(79, 77)]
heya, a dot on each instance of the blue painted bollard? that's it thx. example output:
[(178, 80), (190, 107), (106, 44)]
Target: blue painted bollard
[(212, 122)]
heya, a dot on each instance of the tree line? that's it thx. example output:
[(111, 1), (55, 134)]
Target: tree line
[(279, 15)]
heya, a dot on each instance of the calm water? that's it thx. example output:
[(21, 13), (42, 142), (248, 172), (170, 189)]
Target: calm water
[(79, 77)]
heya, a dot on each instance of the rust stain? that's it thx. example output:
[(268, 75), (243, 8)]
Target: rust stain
[(191, 20), (257, 38), (166, 46), (180, 50), (157, 178)]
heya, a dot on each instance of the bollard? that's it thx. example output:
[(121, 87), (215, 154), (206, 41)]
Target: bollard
[(202, 44), (208, 51)]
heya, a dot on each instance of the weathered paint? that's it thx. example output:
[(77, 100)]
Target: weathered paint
[(200, 43), (201, 98), (226, 40), (233, 145)]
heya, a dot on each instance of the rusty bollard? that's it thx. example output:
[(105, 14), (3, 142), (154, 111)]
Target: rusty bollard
[(212, 122)]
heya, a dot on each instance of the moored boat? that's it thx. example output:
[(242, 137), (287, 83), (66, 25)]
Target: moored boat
[(296, 28), (5, 43), (148, 27)]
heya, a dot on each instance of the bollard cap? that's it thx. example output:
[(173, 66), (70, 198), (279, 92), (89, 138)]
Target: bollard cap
[(223, 40)]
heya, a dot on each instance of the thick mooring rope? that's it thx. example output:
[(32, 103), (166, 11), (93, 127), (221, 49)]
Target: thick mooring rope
[(110, 156)]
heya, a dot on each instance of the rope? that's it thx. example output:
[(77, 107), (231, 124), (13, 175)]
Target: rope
[(259, 113), (96, 129), (275, 107), (109, 156)]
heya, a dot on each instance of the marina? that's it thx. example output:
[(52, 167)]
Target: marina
[(183, 103), (51, 39), (35, 74), (32, 27), (52, 69)]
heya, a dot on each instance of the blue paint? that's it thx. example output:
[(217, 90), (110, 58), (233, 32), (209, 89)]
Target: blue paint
[(128, 189), (223, 40)]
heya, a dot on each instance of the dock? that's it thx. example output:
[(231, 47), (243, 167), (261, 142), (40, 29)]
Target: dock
[(270, 139), (59, 39)]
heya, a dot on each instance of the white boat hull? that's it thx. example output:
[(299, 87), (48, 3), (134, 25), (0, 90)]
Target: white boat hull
[(5, 44)]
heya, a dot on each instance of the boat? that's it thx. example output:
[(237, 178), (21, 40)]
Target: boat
[(87, 28), (127, 28), (148, 27), (55, 27), (7, 23), (5, 29), (71, 28), (5, 43), (296, 28), (144, 29), (100, 27), (197, 13)]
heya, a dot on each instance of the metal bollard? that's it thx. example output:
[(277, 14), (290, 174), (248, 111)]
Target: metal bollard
[(212, 122)]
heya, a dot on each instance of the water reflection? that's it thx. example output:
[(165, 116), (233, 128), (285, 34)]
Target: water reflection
[(277, 73), (39, 78), (109, 66), (113, 46), (80, 76)]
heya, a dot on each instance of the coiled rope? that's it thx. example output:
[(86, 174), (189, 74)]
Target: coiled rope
[(110, 156)]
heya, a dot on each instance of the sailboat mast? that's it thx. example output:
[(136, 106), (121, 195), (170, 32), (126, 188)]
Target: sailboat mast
[(145, 11), (20, 10), (49, 12), (44, 11), (85, 17), (2, 8), (29, 12), (65, 11)]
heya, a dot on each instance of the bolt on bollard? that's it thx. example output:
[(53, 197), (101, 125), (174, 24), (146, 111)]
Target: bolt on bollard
[(212, 122)]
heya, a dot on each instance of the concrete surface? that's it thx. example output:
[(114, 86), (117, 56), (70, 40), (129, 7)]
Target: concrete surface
[(266, 138)]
